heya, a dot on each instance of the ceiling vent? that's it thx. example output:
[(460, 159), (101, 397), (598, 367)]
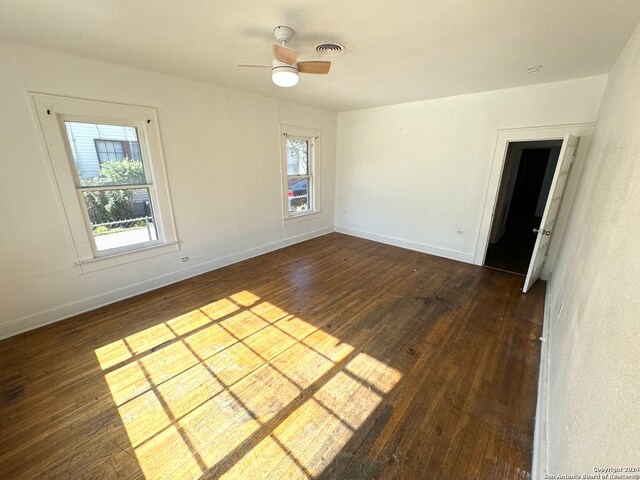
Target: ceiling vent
[(329, 49)]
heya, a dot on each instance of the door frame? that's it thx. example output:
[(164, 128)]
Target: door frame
[(504, 137)]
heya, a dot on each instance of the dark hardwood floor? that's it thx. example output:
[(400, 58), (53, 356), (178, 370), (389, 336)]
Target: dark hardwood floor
[(337, 358)]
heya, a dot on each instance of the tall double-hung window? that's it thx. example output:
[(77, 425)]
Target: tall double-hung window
[(299, 152), (108, 166)]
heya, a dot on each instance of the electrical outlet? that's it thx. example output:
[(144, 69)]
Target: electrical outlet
[(460, 232), (185, 259)]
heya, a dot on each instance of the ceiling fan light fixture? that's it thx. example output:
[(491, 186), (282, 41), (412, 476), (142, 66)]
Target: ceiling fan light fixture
[(285, 68), (284, 75)]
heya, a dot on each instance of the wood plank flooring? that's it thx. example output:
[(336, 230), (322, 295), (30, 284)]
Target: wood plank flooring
[(336, 358)]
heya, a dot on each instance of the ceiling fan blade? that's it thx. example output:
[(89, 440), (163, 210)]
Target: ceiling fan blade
[(252, 65), (314, 67), (285, 54)]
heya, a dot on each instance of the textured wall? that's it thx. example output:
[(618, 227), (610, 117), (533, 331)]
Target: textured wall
[(594, 351)]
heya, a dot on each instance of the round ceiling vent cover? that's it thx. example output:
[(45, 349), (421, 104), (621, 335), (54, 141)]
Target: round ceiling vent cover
[(329, 49)]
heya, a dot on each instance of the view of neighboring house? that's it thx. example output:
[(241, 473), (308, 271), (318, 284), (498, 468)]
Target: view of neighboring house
[(94, 143)]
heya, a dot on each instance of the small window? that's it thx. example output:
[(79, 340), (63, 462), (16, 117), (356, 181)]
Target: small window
[(299, 157), (110, 178), (108, 150)]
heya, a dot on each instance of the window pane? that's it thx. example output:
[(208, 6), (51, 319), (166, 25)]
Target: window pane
[(297, 156), (135, 151), (120, 217), (102, 154), (298, 195)]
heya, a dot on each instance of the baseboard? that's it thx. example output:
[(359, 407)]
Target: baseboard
[(29, 322), (539, 459), (419, 247)]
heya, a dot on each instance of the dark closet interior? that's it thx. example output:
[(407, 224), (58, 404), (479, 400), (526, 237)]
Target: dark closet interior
[(523, 207)]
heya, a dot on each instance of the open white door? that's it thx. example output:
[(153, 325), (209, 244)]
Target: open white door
[(566, 159)]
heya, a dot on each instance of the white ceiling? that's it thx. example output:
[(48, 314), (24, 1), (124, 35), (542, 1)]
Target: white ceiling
[(397, 51)]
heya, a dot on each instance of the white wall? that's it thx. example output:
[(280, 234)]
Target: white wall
[(416, 174), (222, 157), (594, 306)]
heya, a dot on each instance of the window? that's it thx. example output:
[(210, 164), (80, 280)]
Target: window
[(119, 217), (108, 150), (108, 166), (299, 171)]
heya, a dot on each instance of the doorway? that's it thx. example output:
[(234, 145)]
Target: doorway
[(522, 196)]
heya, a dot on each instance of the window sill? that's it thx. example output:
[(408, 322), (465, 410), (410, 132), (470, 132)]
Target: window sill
[(301, 217), (95, 264)]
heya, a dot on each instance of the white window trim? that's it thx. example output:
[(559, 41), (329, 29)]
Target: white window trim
[(313, 136), (51, 112)]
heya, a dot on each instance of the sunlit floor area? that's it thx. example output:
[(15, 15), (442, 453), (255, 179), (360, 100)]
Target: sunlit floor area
[(336, 358)]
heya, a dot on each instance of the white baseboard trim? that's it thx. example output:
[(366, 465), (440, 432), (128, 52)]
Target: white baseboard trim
[(419, 247), (539, 459), (29, 322)]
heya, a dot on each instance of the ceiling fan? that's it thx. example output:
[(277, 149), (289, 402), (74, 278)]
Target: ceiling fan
[(285, 67)]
